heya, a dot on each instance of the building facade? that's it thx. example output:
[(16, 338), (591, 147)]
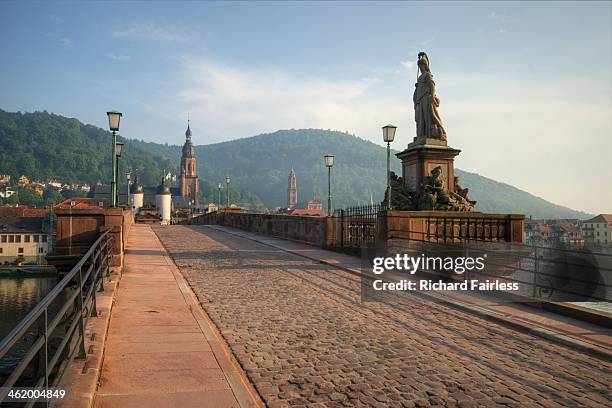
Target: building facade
[(598, 230), (24, 233), (292, 190), (189, 182)]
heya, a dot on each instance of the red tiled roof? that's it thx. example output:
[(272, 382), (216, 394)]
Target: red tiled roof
[(544, 228), (307, 212), (601, 218), (23, 211), (82, 202)]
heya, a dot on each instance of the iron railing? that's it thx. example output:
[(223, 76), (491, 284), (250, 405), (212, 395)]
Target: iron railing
[(356, 226), (555, 274), (55, 328)]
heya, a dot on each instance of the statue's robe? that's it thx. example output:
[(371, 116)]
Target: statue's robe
[(428, 120)]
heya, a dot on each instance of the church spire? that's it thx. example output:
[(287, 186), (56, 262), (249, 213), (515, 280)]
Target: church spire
[(188, 131)]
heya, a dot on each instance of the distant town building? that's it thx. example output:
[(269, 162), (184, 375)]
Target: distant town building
[(5, 179), (211, 208), (84, 202), (292, 190), (314, 204), (553, 233), (54, 183), (598, 230), (6, 192), (23, 181), (38, 188), (24, 232), (305, 212), (189, 182)]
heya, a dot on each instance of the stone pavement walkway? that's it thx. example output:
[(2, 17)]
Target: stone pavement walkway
[(304, 337), (161, 351), (566, 330)]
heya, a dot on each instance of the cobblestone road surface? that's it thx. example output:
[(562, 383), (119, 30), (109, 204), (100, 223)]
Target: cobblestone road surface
[(304, 338)]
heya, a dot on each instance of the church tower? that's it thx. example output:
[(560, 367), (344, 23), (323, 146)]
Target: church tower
[(292, 190), (189, 178)]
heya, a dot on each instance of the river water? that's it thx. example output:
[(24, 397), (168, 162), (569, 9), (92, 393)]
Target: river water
[(18, 296)]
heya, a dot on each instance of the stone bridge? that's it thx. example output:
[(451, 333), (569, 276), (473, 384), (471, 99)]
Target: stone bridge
[(213, 316)]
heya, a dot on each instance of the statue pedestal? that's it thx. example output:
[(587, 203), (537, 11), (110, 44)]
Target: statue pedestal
[(421, 157)]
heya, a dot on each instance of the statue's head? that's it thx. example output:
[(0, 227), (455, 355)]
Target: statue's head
[(436, 171), (423, 62)]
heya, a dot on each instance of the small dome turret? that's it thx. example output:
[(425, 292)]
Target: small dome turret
[(163, 189), (136, 187)]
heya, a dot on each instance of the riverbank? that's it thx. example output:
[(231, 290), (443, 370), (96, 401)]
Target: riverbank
[(27, 271)]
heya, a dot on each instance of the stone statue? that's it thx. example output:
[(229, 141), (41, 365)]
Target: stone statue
[(428, 121), (436, 196), (401, 198)]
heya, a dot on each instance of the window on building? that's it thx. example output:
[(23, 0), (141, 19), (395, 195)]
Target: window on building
[(17, 238), (1, 250), (36, 238), (41, 250), (44, 238), (2, 238), (26, 238), (20, 251), (11, 239)]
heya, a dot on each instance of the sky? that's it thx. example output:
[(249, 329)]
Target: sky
[(525, 87)]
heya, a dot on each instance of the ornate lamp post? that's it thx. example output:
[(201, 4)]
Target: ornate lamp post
[(118, 150), (128, 175), (219, 199), (329, 162), (388, 136), (227, 181), (114, 118)]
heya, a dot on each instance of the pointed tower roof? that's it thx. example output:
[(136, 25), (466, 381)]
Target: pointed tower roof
[(188, 149), (188, 131)]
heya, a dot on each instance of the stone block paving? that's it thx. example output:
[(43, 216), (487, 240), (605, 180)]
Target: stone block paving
[(304, 337)]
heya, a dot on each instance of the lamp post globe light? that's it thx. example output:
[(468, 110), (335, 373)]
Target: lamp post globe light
[(114, 118), (388, 136), (329, 162), (227, 181)]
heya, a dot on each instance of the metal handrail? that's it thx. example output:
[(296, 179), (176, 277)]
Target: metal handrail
[(88, 282), (537, 274)]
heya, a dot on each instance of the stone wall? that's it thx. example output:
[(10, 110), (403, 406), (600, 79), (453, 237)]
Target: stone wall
[(78, 228), (311, 230), (332, 232), (449, 226)]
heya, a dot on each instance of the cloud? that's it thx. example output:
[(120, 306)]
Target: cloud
[(154, 32), (508, 125), (237, 102), (56, 19), (120, 58), (499, 16), (66, 42), (409, 65)]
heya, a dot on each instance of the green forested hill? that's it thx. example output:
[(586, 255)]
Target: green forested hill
[(262, 163), (42, 146), (45, 146)]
